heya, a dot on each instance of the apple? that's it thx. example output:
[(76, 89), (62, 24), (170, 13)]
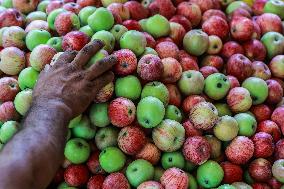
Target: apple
[(279, 152), (77, 150), (119, 9), (156, 89), (215, 45), (174, 94), (275, 92), (269, 22), (99, 114), (101, 19), (258, 89), (191, 11), (11, 17), (28, 78), (274, 183), (118, 30), (150, 67), (37, 25), (276, 7), (136, 10), (106, 137), (216, 25), (14, 36), (149, 185), (263, 145), (174, 178), (277, 116), (94, 164), (8, 112), (240, 150), (9, 89), (273, 42), (139, 171), (276, 66), (260, 170), (230, 48), (172, 159), (277, 170), (74, 121), (167, 49), (126, 62), (213, 12), (158, 26), (204, 5), (112, 159), (76, 175), (169, 135), (42, 5), (8, 130), (239, 99), (239, 66), (255, 50), (107, 38), (186, 81), (151, 42), (72, 7), (271, 128), (12, 60), (216, 86), (209, 174), (173, 113), (56, 43), (116, 180), (52, 16), (236, 5), (95, 182), (172, 70), (7, 3), (247, 124), (182, 20), (37, 37), (241, 28), (261, 70), (158, 172), (213, 60), (232, 172), (177, 32), (196, 42), (223, 109), (149, 152), (85, 13), (208, 70), (203, 115), (128, 87), (53, 5), (241, 185), (1, 34), (226, 128), (190, 130), (24, 6), (84, 130), (41, 56), (66, 22), (134, 41)]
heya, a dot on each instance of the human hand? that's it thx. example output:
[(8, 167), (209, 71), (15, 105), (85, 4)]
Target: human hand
[(67, 83)]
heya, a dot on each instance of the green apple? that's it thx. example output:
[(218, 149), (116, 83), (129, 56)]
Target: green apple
[(169, 135), (172, 159), (158, 172), (101, 19), (196, 42), (278, 170), (99, 114), (150, 112), (156, 89), (107, 38), (84, 129), (37, 15), (189, 166), (223, 109), (226, 128), (8, 130), (98, 56), (173, 113), (7, 3), (216, 86), (42, 5), (23, 101), (257, 88), (74, 121), (106, 3), (52, 16), (143, 23), (191, 82), (56, 43), (149, 50), (37, 37), (77, 151), (1, 34), (275, 7), (158, 26), (226, 186), (192, 183), (273, 43), (117, 31), (87, 30), (247, 124), (85, 13), (106, 137), (139, 171), (62, 185), (210, 174), (235, 5), (28, 78), (128, 87), (112, 159), (134, 41)]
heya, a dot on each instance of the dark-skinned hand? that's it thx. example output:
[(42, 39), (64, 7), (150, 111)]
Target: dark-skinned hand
[(68, 83)]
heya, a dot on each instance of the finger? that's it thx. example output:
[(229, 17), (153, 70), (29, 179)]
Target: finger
[(86, 53), (100, 67), (102, 81), (66, 57)]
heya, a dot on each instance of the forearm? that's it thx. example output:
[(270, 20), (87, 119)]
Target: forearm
[(35, 153)]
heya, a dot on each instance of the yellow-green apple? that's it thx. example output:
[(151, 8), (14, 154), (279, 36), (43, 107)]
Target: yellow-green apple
[(133, 40), (8, 130), (87, 30), (273, 42), (173, 113), (277, 170), (117, 31), (223, 109), (216, 86), (156, 89), (28, 78), (108, 2), (107, 38), (247, 124), (276, 7), (85, 13), (56, 43), (236, 5), (23, 101), (226, 128), (215, 44), (37, 37), (186, 81), (276, 66), (12, 60), (14, 36), (128, 87), (112, 159), (258, 89), (84, 129), (101, 19), (42, 5), (158, 26), (172, 159), (106, 137), (40, 56), (37, 15), (37, 25), (196, 42), (99, 114)]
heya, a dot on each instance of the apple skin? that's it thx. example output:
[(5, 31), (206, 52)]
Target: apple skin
[(276, 66), (101, 19), (121, 112), (151, 42), (258, 7), (255, 50), (132, 84), (271, 128), (85, 13), (273, 42), (196, 42), (12, 60), (85, 3), (98, 114), (216, 25), (9, 89), (133, 40), (72, 7), (95, 182), (247, 124), (274, 183), (76, 175), (105, 93), (191, 11), (261, 112), (209, 174), (216, 86), (56, 43), (77, 150), (36, 37), (116, 180), (162, 7), (52, 16), (240, 150), (182, 20), (53, 5), (126, 62), (239, 66), (208, 70), (240, 12), (260, 170), (167, 49), (106, 137), (94, 164), (172, 70), (11, 17), (149, 152), (239, 99), (261, 70), (8, 112), (275, 92), (112, 159), (186, 80), (37, 25), (132, 25), (131, 140), (66, 22), (188, 63), (213, 60), (118, 30), (226, 128), (8, 130), (25, 6), (204, 5), (269, 22), (177, 32), (213, 12), (172, 159), (241, 28), (150, 184), (223, 109), (156, 89), (28, 78), (277, 170), (260, 186), (203, 115), (263, 145), (190, 101), (14, 36), (158, 26), (119, 9), (232, 172), (150, 67), (230, 48), (169, 135), (41, 56), (174, 95), (174, 178), (236, 5), (136, 10), (278, 116)]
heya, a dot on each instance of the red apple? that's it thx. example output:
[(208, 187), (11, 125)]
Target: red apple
[(255, 50), (269, 22), (132, 25), (136, 10), (271, 128), (275, 92), (239, 66), (149, 152), (72, 7), (216, 25), (151, 42), (261, 112), (172, 70), (263, 145), (120, 10), (116, 181), (76, 175), (150, 184), (105, 93), (11, 17), (274, 183), (94, 164), (150, 67), (37, 24), (54, 5), (260, 186), (9, 88), (213, 60), (174, 178), (261, 70), (191, 11), (258, 6), (213, 12), (204, 4), (230, 48), (189, 63), (177, 33), (239, 12), (190, 130), (232, 172), (279, 150), (74, 40), (8, 112), (234, 82), (260, 170), (95, 182), (85, 3), (126, 62), (208, 70), (241, 28), (190, 101), (182, 20), (278, 117), (167, 49), (162, 7), (239, 99), (174, 95), (276, 67), (65, 22)]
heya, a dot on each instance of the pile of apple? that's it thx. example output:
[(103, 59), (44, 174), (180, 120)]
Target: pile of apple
[(197, 101)]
